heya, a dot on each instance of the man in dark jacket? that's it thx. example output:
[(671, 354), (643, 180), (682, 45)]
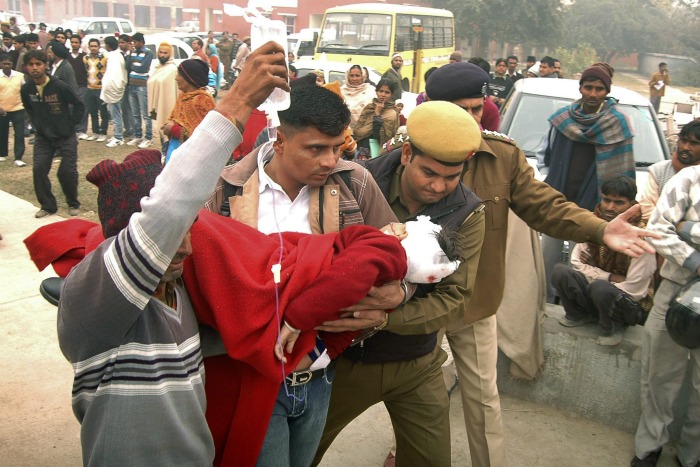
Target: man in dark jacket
[(48, 101), (61, 68)]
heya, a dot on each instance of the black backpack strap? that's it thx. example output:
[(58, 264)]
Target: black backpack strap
[(345, 176), (229, 190)]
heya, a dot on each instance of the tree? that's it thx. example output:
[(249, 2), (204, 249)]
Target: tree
[(613, 27), (530, 21)]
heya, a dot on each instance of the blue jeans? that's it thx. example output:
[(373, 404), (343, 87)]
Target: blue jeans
[(138, 101), (296, 426), (115, 110)]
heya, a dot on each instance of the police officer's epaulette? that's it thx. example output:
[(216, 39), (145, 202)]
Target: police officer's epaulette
[(494, 135), (395, 142)]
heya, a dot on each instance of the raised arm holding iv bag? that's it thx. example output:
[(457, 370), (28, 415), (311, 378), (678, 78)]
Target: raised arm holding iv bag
[(263, 30)]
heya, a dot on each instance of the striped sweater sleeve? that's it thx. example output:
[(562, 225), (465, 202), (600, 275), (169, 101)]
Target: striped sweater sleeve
[(138, 258), (679, 200)]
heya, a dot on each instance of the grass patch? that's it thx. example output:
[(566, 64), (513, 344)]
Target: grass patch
[(18, 181)]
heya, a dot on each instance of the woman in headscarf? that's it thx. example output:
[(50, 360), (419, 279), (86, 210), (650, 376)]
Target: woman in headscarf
[(193, 103), (379, 120), (356, 92), (215, 68)]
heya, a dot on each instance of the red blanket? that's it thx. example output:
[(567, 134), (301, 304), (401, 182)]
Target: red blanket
[(230, 283), (229, 280)]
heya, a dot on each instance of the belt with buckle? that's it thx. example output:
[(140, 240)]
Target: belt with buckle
[(299, 378)]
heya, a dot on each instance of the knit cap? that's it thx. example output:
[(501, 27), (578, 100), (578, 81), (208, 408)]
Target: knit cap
[(121, 186), (601, 71), (195, 72)]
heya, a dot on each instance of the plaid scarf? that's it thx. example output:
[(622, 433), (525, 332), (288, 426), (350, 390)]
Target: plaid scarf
[(609, 130)]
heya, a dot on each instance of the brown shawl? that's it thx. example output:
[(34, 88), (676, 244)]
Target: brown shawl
[(190, 109)]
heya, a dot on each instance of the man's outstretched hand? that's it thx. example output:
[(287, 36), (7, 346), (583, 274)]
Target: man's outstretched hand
[(623, 237)]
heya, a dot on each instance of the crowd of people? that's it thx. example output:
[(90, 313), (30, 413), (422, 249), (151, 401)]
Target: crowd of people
[(299, 333), (120, 82)]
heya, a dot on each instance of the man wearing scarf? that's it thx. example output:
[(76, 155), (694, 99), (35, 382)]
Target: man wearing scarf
[(162, 89), (356, 92), (589, 142)]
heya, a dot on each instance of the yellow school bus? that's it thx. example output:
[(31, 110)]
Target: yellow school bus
[(369, 34)]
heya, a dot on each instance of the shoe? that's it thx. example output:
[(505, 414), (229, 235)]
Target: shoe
[(101, 138), (573, 323), (92, 137), (114, 142), (82, 136), (145, 143), (610, 340), (74, 212), (41, 213), (133, 141), (649, 461), (3, 159), (20, 163)]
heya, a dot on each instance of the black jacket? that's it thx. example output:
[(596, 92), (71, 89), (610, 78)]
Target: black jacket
[(56, 112)]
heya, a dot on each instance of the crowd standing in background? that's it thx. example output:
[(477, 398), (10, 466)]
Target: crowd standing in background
[(48, 79)]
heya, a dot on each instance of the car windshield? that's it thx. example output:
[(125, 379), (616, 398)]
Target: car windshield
[(530, 124)]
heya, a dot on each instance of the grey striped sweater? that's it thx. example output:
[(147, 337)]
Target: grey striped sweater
[(139, 379)]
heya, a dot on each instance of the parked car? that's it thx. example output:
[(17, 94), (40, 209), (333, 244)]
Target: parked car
[(100, 27), (335, 71), (303, 43), (186, 37), (181, 51), (188, 26), (531, 102), (21, 20)]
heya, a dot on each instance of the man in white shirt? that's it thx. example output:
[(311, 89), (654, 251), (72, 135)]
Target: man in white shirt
[(113, 88), (298, 183)]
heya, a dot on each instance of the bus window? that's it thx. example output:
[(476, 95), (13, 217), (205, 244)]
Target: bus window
[(361, 34)]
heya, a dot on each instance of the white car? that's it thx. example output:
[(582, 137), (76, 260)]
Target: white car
[(188, 26), (181, 51), (335, 71), (100, 27), (186, 37)]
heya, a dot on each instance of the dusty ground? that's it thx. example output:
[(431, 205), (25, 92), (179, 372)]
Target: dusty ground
[(37, 427)]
